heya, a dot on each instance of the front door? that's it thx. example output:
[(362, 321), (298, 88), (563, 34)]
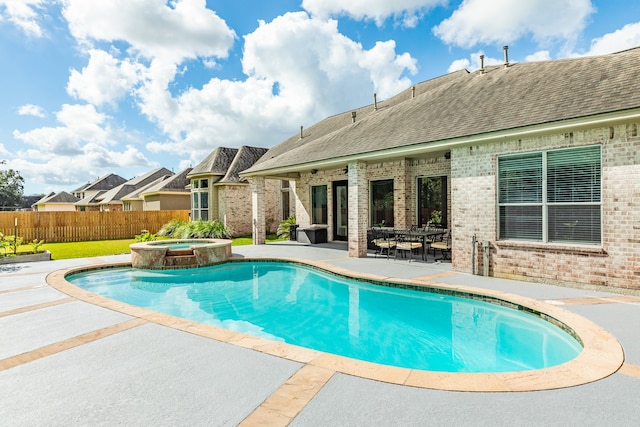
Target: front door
[(340, 210)]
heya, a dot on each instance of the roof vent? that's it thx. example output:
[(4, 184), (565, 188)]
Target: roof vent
[(301, 129), (413, 92), (353, 117), (375, 101), (481, 64), (506, 56)]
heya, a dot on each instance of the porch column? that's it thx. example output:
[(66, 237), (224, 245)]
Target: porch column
[(358, 209), (258, 210)]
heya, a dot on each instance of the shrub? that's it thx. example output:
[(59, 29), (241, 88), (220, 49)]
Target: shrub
[(36, 245), (169, 229), (195, 230), (284, 227), (145, 236)]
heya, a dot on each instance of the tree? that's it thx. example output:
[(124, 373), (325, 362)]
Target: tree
[(11, 188)]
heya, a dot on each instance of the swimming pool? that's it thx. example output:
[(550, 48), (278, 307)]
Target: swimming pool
[(434, 331)]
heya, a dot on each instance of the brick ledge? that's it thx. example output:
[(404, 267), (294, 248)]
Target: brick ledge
[(553, 247)]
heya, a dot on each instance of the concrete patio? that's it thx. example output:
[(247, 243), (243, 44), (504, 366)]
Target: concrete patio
[(68, 362)]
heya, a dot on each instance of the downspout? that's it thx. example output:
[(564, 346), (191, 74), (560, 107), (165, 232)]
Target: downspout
[(473, 254)]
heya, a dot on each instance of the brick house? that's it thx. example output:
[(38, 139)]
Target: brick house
[(219, 193), (539, 161)]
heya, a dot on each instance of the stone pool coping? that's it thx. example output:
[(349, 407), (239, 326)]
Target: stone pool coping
[(602, 354)]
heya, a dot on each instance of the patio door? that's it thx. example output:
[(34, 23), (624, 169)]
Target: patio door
[(340, 210)]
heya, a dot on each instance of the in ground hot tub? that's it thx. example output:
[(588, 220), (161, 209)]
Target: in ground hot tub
[(180, 253)]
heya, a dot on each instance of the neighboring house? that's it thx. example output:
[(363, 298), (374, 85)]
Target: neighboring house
[(111, 200), (219, 193), (537, 162), (165, 193), (56, 202), (89, 192)]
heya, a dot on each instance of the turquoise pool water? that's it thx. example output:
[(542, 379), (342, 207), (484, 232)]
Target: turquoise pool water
[(174, 246), (303, 306)]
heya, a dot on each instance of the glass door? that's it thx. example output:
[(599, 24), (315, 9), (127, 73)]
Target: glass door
[(340, 210)]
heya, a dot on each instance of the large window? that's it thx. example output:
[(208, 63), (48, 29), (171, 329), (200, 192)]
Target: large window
[(319, 204), (200, 199), (551, 196), (382, 202), (432, 200)]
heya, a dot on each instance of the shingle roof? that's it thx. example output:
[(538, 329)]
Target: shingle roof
[(244, 159), (176, 183), (216, 163), (116, 193), (91, 199), (61, 197), (106, 182), (463, 104)]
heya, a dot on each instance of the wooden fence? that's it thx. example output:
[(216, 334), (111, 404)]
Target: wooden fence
[(55, 227)]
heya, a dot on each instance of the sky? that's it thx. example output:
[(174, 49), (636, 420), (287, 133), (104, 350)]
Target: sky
[(89, 88)]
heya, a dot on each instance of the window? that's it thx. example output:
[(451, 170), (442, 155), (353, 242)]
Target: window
[(319, 204), (553, 196), (200, 200), (382, 202), (284, 194), (432, 200)]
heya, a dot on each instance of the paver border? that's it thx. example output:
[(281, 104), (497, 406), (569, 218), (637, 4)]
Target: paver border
[(602, 354)]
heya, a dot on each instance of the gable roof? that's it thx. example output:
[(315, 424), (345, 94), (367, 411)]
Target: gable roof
[(176, 183), (61, 197), (244, 159), (216, 163), (463, 104), (106, 182), (115, 194)]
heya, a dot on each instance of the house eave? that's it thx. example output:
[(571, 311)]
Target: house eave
[(424, 148)]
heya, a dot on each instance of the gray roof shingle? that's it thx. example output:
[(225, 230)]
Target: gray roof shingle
[(463, 104)]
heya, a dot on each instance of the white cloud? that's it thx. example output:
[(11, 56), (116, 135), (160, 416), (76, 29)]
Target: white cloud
[(504, 21), (459, 64), (24, 14), (79, 146), (407, 11), (104, 80), (32, 110), (3, 151), (542, 55), (299, 70), (170, 31), (624, 38)]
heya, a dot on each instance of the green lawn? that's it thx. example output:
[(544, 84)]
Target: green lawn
[(105, 247)]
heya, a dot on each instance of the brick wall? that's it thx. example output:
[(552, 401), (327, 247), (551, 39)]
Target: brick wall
[(235, 208), (616, 263)]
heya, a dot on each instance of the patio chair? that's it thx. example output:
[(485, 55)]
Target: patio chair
[(383, 241), (443, 246), (407, 242)]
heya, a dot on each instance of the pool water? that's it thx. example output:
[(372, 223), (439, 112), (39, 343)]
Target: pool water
[(175, 246), (310, 308)]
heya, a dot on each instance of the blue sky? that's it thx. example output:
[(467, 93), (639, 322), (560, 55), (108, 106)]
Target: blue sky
[(124, 86)]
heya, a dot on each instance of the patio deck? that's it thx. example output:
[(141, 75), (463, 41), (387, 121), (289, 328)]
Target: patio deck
[(64, 361)]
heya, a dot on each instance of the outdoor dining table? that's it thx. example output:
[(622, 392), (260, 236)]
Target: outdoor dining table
[(421, 234)]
